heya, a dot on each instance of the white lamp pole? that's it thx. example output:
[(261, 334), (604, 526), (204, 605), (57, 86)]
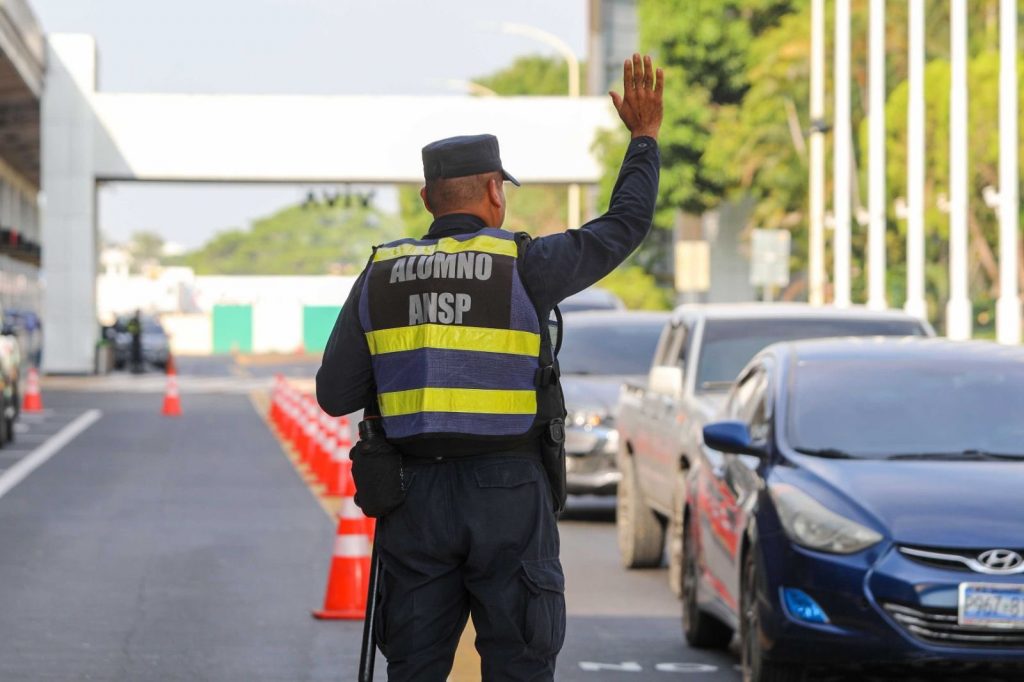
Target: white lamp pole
[(573, 65), (876, 157), (816, 181), (1008, 315), (958, 308), (915, 304), (841, 157)]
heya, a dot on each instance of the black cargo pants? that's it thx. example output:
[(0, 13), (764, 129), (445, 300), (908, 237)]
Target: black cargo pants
[(475, 535)]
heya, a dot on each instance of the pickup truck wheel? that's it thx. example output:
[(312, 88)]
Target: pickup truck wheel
[(641, 535), (675, 536), (702, 630)]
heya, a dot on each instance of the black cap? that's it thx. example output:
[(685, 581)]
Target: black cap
[(457, 157)]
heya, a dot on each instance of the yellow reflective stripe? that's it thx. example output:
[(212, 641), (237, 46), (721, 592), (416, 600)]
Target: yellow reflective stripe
[(483, 243), (474, 400), (453, 338)]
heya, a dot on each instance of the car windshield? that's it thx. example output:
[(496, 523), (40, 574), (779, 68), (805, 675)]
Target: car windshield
[(619, 347), (906, 408), (728, 345)]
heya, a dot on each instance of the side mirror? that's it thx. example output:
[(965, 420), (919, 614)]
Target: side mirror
[(667, 380), (732, 437)]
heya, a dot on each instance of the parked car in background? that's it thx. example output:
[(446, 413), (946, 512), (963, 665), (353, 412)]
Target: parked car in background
[(861, 505), (27, 326), (156, 347), (700, 353), (599, 352), (11, 361), (593, 298)]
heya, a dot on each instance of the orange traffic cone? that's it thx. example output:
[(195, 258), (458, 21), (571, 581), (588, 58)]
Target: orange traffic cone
[(33, 398), (172, 400), (349, 577), (341, 443)]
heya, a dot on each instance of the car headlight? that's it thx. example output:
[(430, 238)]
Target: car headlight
[(587, 418), (809, 523)]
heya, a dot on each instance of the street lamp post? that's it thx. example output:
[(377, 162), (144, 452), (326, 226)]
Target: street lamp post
[(958, 309), (915, 304), (841, 158), (816, 181), (573, 65), (1008, 312), (876, 157)]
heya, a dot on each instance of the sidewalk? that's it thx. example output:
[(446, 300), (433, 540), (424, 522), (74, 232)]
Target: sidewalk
[(167, 549)]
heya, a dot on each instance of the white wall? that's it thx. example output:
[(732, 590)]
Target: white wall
[(190, 334)]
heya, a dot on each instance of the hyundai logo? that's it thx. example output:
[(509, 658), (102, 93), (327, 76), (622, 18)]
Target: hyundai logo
[(1001, 560)]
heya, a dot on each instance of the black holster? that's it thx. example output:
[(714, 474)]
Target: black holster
[(553, 459), (377, 471)]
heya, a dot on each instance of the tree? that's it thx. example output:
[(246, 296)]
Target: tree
[(705, 50), (310, 239), (537, 209), (145, 247)]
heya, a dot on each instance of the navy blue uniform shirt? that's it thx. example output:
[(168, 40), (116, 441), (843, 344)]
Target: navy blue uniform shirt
[(553, 268)]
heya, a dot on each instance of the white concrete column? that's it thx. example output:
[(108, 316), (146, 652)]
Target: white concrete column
[(915, 304), (816, 162), (842, 142), (69, 208), (876, 157), (1008, 316), (958, 308)]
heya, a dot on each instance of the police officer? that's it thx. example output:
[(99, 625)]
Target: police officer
[(443, 336)]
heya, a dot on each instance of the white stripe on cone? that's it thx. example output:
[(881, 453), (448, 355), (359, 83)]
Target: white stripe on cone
[(349, 510), (352, 546)]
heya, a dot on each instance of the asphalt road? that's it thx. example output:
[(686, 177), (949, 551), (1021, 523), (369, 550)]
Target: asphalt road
[(154, 548)]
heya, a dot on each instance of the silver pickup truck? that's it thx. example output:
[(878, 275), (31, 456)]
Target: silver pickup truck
[(699, 354)]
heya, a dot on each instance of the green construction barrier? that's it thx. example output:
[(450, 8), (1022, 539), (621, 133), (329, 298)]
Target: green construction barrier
[(232, 328), (317, 323)]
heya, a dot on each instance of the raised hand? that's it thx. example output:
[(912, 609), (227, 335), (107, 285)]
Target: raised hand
[(640, 106)]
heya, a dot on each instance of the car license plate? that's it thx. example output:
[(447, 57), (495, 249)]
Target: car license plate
[(991, 605)]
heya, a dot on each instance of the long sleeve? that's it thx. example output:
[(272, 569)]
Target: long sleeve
[(559, 265), (344, 383)]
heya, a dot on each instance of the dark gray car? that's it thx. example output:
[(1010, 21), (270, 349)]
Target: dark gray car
[(600, 352)]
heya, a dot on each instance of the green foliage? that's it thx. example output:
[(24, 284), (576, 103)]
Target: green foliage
[(298, 240), (637, 288), (530, 75), (704, 50), (537, 209), (146, 246)]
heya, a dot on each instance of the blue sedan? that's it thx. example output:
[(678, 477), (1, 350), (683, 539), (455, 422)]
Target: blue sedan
[(862, 506)]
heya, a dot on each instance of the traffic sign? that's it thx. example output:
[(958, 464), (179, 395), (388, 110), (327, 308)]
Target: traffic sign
[(769, 260)]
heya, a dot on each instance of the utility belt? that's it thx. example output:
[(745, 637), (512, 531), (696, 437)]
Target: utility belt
[(417, 460)]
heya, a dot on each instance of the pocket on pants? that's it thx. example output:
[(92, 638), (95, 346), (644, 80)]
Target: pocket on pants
[(544, 629)]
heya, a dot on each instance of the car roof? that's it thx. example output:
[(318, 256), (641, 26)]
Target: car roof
[(736, 311), (600, 318), (933, 350)]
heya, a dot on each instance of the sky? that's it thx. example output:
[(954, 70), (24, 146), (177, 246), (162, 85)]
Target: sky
[(342, 47)]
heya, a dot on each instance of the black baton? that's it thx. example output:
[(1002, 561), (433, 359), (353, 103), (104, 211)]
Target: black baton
[(368, 654)]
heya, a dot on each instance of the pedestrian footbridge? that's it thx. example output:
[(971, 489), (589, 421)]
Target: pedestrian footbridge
[(91, 136)]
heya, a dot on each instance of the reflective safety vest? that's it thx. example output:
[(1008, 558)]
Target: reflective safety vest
[(453, 335)]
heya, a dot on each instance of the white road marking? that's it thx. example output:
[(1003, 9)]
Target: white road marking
[(625, 666), (23, 467)]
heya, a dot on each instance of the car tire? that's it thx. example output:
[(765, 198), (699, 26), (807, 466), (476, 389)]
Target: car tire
[(754, 665), (640, 531), (675, 536), (701, 629)]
